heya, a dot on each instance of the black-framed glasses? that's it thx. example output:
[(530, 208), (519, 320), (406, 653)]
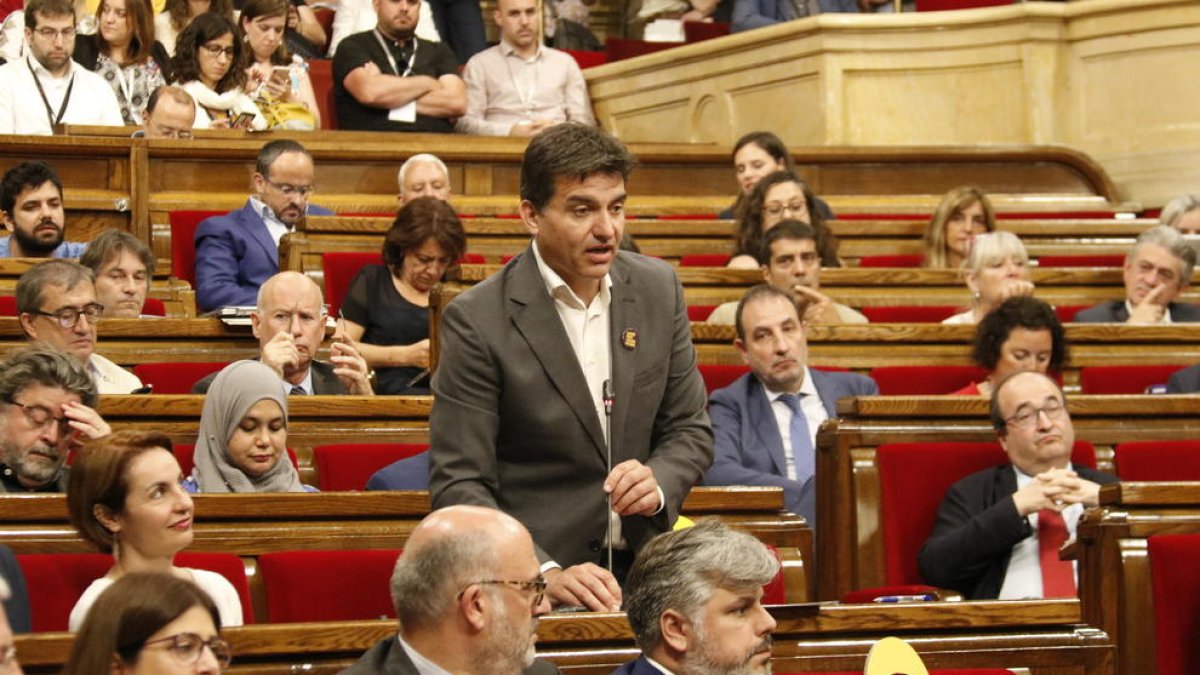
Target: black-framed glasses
[(40, 416), (538, 586), (187, 647), (1027, 418), (215, 50), (67, 317), (289, 190)]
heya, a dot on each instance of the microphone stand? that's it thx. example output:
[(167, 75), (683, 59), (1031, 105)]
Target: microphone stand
[(609, 399)]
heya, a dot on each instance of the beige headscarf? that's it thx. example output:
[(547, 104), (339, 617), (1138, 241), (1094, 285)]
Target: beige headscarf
[(236, 389)]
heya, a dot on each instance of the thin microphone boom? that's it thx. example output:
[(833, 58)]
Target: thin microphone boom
[(609, 398)]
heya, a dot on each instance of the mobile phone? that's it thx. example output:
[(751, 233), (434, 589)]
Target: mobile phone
[(281, 74), (242, 121)]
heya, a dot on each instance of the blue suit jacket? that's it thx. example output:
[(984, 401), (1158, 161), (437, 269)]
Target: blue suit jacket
[(639, 666), (748, 449), (234, 256), (748, 14), (410, 473)]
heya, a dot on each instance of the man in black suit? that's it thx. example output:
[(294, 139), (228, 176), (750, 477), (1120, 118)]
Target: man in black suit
[(1186, 381), (468, 594), (1157, 271), (289, 323), (994, 528)]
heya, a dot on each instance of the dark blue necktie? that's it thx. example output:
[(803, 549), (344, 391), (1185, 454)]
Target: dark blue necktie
[(803, 456)]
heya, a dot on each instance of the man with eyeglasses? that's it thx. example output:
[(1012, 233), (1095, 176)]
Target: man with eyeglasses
[(170, 113), (46, 88), (468, 593), (56, 301), (32, 202), (998, 531), (289, 323), (237, 252), (47, 399), (790, 261)]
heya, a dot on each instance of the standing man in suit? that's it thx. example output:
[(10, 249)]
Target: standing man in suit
[(766, 422), (998, 531), (1157, 271), (237, 252), (694, 602), (519, 420), (468, 594), (289, 322)]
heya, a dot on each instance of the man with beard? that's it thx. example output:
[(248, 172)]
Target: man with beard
[(468, 593), (694, 602), (387, 79), (47, 399), (32, 202), (1157, 271), (46, 88), (237, 252), (289, 323)]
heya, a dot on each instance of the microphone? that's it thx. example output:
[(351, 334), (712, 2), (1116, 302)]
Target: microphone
[(609, 396)]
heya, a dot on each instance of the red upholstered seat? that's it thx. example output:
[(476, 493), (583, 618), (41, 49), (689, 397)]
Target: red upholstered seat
[(340, 269), (719, 376), (1176, 601), (227, 565), (154, 307), (891, 260), (700, 313), (705, 260), (1123, 379), (941, 5), (325, 17), (587, 59), (924, 380), (348, 466), (328, 585), (320, 72), (699, 31), (1066, 313), (616, 48), (909, 314), (8, 305), (55, 582), (1158, 460), (1081, 261), (774, 592), (175, 378), (185, 454), (183, 242)]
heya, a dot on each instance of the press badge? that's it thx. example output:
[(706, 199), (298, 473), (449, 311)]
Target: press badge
[(406, 113)]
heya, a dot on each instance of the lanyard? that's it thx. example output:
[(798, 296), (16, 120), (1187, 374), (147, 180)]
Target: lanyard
[(529, 74), (392, 60), (54, 121)]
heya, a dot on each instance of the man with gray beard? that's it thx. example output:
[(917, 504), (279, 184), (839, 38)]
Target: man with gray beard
[(47, 399), (694, 602), (468, 591)]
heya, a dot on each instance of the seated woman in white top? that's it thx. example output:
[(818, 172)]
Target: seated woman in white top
[(271, 71), (996, 269), (124, 496), (170, 22), (210, 65)]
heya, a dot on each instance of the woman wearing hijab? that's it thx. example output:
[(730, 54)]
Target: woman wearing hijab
[(243, 434)]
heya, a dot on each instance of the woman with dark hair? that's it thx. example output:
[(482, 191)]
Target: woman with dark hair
[(124, 52), (169, 23), (150, 623), (1023, 333), (210, 65), (124, 496), (270, 68), (755, 155), (777, 197), (387, 307), (963, 214)]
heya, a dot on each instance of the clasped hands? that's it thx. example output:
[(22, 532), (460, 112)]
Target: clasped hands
[(1055, 490)]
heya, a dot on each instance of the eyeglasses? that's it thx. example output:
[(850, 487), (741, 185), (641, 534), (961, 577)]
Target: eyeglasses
[(1027, 418), (51, 34), (40, 416), (538, 586), (187, 647), (289, 190), (775, 208), (68, 317), (216, 51), (8, 656)]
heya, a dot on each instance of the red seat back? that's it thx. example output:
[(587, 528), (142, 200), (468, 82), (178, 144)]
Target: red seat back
[(942, 5), (1066, 313), (183, 242), (1123, 379), (924, 380), (8, 305), (1158, 460), (699, 31), (186, 456), (325, 17), (705, 260), (175, 378), (719, 376), (700, 313), (1081, 261), (1176, 601), (891, 260), (909, 314), (340, 269), (587, 59), (349, 466), (55, 582), (616, 48), (227, 565), (328, 585), (320, 72), (154, 307)]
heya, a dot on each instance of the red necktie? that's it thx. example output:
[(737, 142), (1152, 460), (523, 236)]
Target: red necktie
[(1058, 576)]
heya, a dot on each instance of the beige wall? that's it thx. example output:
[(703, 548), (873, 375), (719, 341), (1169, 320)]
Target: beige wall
[(1118, 79)]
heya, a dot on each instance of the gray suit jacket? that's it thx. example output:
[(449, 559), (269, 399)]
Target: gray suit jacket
[(324, 382), (748, 449), (1186, 381), (513, 425), (1115, 312), (387, 657)]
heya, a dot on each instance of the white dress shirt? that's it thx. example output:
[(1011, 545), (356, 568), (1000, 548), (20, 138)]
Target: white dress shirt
[(504, 89), (23, 111), (1023, 578), (274, 225)]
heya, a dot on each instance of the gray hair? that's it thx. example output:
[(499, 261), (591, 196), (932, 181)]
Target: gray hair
[(991, 247), (65, 273), (48, 367), (1170, 239), (1175, 209), (423, 158), (680, 570), (426, 579)]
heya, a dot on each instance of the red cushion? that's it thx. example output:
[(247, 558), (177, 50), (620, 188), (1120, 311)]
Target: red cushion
[(328, 585), (941, 5), (320, 72), (1081, 261), (699, 31), (340, 269), (1066, 313), (154, 307), (185, 454), (909, 314), (705, 260), (1158, 460), (774, 592), (720, 376), (8, 305), (891, 260), (175, 378), (587, 59), (349, 466), (1123, 379), (55, 582), (700, 313), (227, 565), (924, 380), (1176, 601), (183, 242), (616, 48)]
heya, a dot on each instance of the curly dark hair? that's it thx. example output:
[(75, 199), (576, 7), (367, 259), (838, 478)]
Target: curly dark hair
[(1019, 312), (750, 218), (421, 219), (202, 30)]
